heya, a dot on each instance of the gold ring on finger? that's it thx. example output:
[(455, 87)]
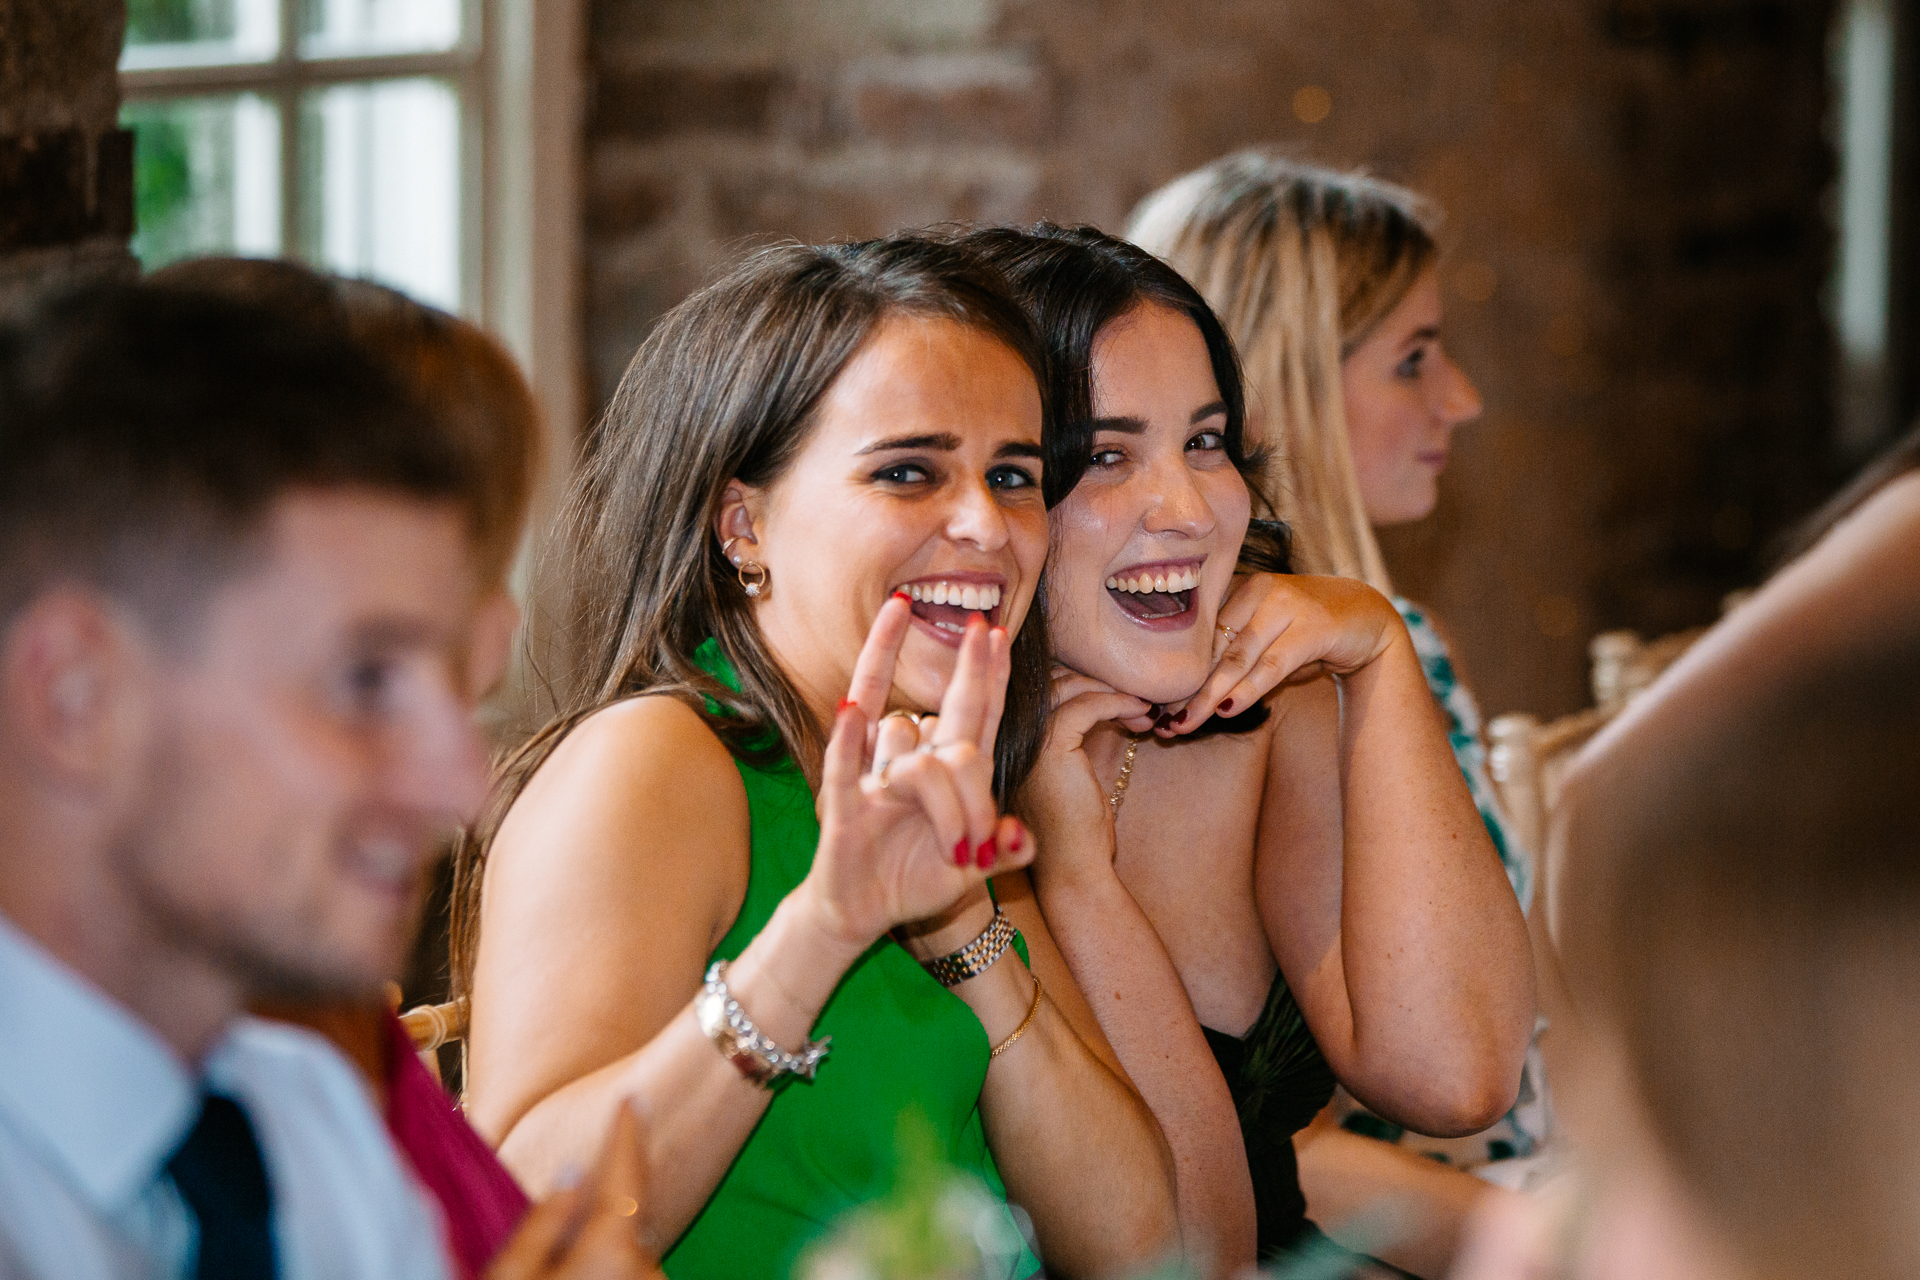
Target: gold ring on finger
[(1226, 631), (911, 717)]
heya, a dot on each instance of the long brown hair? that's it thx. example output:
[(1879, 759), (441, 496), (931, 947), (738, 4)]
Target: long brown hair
[(633, 581), (1302, 264)]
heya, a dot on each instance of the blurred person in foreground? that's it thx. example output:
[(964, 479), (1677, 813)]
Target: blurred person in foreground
[(1740, 921), (1329, 284), (466, 389), (233, 579)]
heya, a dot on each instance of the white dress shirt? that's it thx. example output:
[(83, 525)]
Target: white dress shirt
[(92, 1105)]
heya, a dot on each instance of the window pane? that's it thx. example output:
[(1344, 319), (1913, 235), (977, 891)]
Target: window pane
[(380, 184), (332, 28), (206, 176), (175, 33)]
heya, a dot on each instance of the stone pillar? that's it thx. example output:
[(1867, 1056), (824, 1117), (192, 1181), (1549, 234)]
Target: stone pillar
[(66, 167)]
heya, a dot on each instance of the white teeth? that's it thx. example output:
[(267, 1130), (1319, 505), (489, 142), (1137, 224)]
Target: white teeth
[(1180, 580), (960, 596)]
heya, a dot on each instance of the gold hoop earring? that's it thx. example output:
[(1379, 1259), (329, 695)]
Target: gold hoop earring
[(754, 586), (757, 585)]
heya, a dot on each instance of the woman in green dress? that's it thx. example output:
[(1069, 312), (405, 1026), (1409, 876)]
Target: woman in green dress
[(740, 881)]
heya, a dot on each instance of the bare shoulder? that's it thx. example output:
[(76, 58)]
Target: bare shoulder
[(642, 784), (1859, 585), (1884, 532), (619, 867)]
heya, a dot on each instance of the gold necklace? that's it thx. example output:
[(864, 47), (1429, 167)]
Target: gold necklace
[(1126, 776)]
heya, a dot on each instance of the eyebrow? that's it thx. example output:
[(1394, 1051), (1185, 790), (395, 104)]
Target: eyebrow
[(946, 442), (383, 634), (1132, 426), (1425, 333)]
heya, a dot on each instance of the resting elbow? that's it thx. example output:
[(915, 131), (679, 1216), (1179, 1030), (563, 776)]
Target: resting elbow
[(1474, 1101)]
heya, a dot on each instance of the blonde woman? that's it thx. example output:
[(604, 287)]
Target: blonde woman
[(1327, 282)]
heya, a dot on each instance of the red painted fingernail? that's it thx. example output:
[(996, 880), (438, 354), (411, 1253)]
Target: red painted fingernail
[(844, 704), (901, 595), (1225, 706), (1000, 630), (985, 854), (1181, 718), (960, 858)]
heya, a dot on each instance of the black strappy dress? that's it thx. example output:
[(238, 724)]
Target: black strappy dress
[(1279, 1081)]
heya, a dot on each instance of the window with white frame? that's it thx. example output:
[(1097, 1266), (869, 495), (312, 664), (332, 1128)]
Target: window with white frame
[(346, 133), (428, 144)]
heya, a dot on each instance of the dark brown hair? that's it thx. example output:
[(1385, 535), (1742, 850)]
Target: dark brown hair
[(145, 432), (462, 379), (724, 388), (1075, 281)]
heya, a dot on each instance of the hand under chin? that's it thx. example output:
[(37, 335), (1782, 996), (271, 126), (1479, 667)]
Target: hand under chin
[(1168, 682)]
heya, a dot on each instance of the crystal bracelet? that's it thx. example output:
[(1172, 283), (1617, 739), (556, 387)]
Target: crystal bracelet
[(752, 1052), (977, 956)]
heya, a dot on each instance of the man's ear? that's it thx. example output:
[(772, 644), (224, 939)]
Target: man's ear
[(738, 517), (495, 620), (67, 669)]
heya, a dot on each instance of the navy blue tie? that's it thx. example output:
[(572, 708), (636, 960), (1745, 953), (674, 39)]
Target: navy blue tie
[(222, 1178)]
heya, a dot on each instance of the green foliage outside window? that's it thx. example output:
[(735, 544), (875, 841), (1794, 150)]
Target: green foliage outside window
[(169, 21)]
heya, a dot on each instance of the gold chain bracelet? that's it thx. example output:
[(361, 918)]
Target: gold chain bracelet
[(1025, 1022)]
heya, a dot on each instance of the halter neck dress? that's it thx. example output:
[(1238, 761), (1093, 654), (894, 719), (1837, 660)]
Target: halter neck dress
[(901, 1043), (1279, 1081)]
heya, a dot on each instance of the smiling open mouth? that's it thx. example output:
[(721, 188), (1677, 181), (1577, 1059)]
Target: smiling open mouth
[(1154, 594), (944, 606)]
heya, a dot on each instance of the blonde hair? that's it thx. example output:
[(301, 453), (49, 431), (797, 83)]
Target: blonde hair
[(1302, 264)]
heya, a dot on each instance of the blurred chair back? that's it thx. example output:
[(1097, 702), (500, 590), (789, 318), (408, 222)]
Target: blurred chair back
[(1528, 759), (434, 1025)]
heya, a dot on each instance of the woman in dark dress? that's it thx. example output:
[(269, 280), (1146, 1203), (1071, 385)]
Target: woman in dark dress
[(1258, 855)]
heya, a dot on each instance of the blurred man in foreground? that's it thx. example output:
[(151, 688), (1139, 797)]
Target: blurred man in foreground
[(1739, 913), (233, 579)]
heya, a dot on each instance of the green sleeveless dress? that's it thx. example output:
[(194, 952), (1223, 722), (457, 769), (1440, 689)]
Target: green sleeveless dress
[(901, 1042)]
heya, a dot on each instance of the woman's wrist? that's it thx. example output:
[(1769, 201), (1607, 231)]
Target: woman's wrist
[(1075, 855), (948, 932), (788, 971), (1000, 996), (1397, 654)]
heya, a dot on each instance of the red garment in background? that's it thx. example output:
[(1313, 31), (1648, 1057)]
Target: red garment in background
[(479, 1200)]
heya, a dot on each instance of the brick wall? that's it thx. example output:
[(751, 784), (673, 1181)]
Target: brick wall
[(1636, 240), (66, 168)]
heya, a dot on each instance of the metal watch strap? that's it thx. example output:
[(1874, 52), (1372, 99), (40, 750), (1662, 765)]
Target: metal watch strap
[(752, 1052), (977, 956)]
